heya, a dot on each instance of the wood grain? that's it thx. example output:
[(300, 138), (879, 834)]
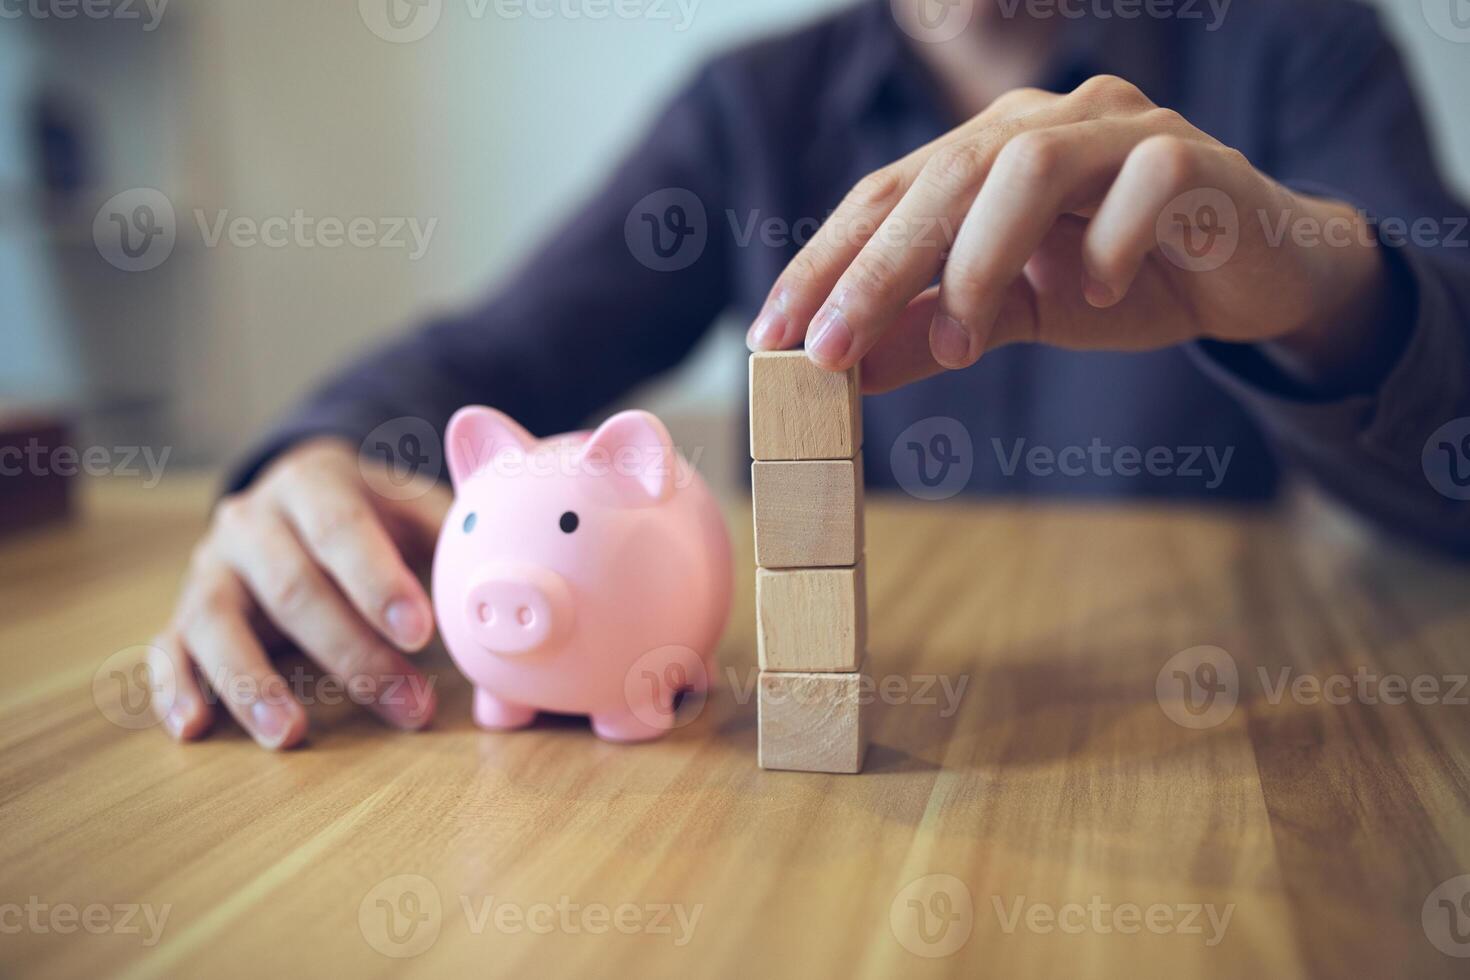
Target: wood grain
[(800, 411), (808, 514), (1053, 781), (811, 619), (813, 722)]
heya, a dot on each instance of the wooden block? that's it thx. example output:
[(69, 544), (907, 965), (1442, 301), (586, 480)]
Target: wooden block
[(813, 722), (808, 514), (811, 619), (799, 411)]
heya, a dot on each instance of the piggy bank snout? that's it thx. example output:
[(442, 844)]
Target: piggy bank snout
[(515, 610)]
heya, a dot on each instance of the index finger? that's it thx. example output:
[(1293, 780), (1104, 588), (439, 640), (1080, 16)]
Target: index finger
[(335, 519), (813, 274)]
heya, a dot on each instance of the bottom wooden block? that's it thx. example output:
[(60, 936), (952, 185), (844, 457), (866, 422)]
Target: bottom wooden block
[(813, 722)]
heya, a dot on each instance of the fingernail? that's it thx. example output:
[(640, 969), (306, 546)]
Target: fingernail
[(176, 719), (409, 704), (949, 341), (831, 337), (272, 723), (178, 714), (1099, 293), (768, 331), (408, 623)]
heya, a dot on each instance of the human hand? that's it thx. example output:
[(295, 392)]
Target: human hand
[(308, 553), (1072, 220)]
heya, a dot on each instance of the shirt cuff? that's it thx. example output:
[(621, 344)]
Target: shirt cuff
[(349, 422), (1425, 384)]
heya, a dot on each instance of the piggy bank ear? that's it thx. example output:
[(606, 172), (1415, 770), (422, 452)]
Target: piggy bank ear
[(632, 458), (476, 435)]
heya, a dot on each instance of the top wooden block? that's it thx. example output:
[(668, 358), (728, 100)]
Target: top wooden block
[(799, 411)]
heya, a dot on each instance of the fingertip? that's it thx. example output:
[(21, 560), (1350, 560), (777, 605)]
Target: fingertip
[(1099, 294), (277, 725), (188, 719), (951, 344), (409, 705), (830, 341), (769, 331), (410, 623), (428, 707), (177, 702)]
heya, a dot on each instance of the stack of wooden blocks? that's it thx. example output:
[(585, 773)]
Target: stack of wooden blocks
[(811, 599)]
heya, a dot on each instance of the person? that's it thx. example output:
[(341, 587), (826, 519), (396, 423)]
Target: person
[(1058, 226)]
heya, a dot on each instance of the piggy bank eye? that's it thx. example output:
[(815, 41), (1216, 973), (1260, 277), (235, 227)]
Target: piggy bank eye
[(469, 522), (569, 522)]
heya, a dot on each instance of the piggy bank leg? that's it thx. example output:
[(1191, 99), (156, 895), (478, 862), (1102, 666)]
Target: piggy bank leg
[(647, 722), (498, 715), (649, 713)]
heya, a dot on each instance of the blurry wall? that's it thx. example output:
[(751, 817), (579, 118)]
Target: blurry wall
[(1441, 69), (491, 126), (494, 127), (36, 361)]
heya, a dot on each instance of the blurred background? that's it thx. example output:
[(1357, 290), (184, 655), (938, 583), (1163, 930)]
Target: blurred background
[(482, 133)]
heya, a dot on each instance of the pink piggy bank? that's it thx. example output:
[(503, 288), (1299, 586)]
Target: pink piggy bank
[(584, 574)]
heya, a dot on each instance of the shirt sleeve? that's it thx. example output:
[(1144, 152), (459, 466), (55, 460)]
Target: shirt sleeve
[(1349, 127), (623, 291)]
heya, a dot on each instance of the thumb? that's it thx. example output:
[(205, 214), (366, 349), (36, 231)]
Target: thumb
[(902, 354)]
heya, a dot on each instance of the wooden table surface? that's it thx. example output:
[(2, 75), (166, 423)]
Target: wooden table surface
[(1030, 805)]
